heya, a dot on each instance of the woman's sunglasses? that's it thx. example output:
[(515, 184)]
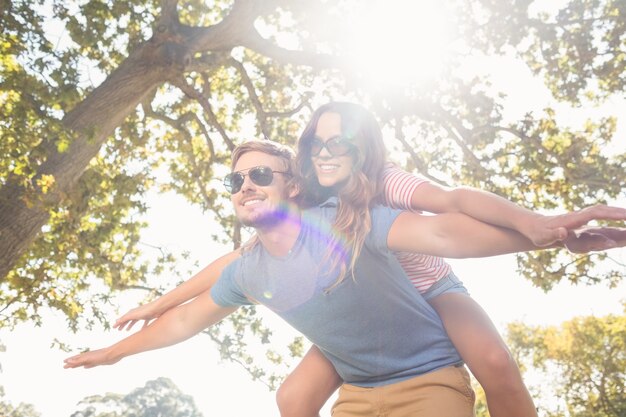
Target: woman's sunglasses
[(261, 175), (337, 146)]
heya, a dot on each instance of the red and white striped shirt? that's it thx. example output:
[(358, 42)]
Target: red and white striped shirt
[(422, 270)]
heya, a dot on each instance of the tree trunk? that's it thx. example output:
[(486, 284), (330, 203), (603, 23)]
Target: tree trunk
[(24, 210)]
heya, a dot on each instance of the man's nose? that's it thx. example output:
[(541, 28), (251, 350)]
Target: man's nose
[(247, 184)]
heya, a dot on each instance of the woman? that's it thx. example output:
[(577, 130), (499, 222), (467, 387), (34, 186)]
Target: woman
[(339, 152)]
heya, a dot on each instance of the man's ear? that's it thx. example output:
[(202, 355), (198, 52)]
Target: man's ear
[(294, 190)]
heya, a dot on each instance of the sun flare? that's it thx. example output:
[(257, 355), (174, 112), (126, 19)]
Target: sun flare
[(399, 42)]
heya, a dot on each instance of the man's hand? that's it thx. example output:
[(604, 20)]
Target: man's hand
[(547, 230), (146, 312), (589, 239), (91, 359)]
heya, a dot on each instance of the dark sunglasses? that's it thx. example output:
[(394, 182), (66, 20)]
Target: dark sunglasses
[(337, 146), (261, 175)]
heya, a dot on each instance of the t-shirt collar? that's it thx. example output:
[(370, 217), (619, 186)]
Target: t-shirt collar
[(330, 202)]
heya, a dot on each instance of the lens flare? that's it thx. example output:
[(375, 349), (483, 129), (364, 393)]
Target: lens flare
[(285, 285), (399, 42)]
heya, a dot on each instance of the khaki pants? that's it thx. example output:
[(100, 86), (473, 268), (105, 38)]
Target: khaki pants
[(443, 393)]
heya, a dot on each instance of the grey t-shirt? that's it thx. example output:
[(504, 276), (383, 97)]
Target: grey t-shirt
[(376, 329)]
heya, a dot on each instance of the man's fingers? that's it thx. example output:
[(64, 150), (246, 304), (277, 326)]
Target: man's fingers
[(601, 242), (589, 241)]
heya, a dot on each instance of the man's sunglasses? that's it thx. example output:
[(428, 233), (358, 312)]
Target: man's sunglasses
[(337, 146), (261, 175)]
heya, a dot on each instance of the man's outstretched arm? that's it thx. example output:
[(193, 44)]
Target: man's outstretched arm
[(186, 291), (175, 326)]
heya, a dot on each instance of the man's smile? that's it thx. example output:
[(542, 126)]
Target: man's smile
[(250, 201)]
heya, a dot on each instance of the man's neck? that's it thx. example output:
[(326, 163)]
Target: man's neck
[(278, 239)]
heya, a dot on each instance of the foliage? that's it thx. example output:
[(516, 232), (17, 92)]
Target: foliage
[(480, 406), (21, 410), (8, 409), (159, 397), (243, 332), (584, 361), (579, 50), (102, 102)]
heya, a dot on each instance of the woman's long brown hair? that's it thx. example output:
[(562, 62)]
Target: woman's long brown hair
[(361, 189)]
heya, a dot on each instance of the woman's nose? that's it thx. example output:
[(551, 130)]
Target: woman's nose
[(324, 153)]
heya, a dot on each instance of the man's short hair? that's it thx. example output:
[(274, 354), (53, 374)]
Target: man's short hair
[(285, 153)]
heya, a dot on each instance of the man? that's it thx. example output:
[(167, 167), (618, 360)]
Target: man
[(375, 329)]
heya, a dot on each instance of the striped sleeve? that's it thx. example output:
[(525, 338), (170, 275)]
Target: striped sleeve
[(399, 187), (422, 270)]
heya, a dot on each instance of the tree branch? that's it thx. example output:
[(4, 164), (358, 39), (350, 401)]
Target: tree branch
[(168, 10), (419, 162), (179, 125), (230, 32), (208, 62), (255, 42), (192, 93), (254, 97)]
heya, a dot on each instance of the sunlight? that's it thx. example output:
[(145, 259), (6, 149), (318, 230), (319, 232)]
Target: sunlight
[(399, 42)]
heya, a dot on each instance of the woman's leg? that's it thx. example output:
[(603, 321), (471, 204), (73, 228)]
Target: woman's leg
[(308, 387), (485, 353)]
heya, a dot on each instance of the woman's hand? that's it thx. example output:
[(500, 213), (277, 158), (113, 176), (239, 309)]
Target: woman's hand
[(547, 230)]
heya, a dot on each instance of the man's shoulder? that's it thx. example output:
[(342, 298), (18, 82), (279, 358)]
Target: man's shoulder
[(382, 219), (249, 256), (325, 211), (329, 204), (248, 252), (380, 210), (233, 266)]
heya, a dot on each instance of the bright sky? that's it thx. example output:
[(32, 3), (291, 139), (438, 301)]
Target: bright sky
[(33, 372), (409, 48)]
